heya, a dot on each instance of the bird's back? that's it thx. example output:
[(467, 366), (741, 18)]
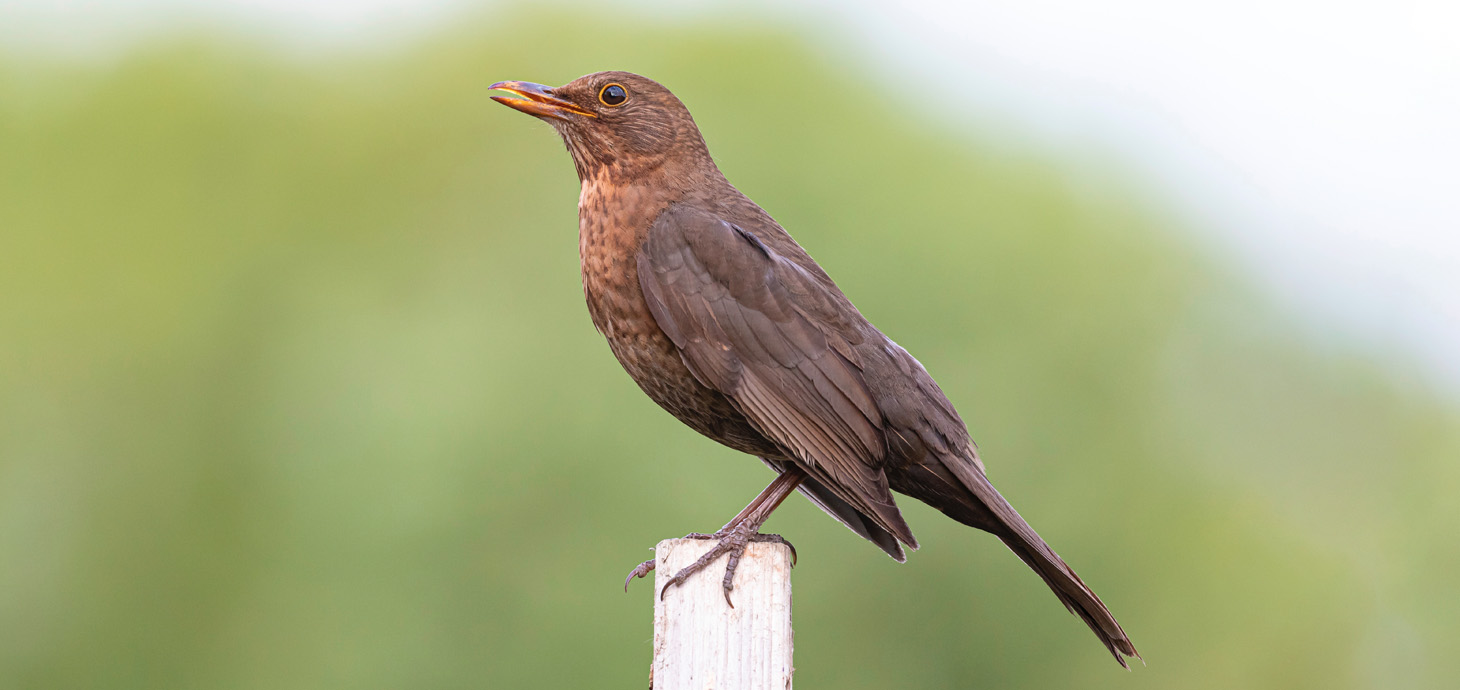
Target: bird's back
[(921, 446)]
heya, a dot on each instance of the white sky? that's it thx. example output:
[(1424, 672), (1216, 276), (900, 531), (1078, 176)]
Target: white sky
[(1316, 141), (1320, 139)]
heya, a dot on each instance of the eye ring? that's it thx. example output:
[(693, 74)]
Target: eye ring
[(613, 95)]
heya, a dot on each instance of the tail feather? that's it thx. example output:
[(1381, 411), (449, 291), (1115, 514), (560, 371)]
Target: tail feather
[(1076, 597), (1061, 578)]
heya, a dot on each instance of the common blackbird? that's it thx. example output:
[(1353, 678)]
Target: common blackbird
[(727, 323)]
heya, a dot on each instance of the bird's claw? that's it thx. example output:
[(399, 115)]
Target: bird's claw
[(776, 539), (732, 543), (639, 570)]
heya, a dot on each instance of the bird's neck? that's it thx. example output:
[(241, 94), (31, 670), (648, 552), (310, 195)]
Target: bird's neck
[(613, 221), (619, 193), (614, 213)]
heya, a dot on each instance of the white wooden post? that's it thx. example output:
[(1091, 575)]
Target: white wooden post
[(700, 643)]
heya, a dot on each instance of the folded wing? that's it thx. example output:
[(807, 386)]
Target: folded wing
[(762, 331)]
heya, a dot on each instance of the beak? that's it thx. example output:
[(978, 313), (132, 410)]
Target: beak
[(537, 100)]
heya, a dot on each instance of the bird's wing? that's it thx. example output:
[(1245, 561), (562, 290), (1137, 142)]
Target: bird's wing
[(765, 333), (845, 513)]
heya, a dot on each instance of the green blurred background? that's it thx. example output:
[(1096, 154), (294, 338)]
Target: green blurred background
[(297, 390)]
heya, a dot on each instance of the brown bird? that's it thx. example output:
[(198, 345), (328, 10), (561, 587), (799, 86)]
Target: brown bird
[(727, 323)]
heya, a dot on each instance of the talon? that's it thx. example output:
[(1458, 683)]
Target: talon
[(671, 583), (728, 583), (777, 539), (732, 541), (639, 570)]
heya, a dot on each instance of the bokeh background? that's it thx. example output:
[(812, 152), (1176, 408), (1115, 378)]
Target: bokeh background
[(297, 388)]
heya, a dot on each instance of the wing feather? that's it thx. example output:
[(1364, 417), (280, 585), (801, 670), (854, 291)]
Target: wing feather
[(760, 330)]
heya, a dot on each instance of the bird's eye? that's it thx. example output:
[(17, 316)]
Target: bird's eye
[(613, 95)]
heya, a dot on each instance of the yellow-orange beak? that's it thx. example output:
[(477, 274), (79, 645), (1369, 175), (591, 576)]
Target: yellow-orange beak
[(537, 100)]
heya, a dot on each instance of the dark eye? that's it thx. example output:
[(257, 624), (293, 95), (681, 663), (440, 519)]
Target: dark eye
[(613, 94)]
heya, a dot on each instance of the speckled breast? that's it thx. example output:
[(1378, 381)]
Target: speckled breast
[(613, 222)]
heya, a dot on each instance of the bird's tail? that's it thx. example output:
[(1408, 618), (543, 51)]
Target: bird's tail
[(1061, 578)]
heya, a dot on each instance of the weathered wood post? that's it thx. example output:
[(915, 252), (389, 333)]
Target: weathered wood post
[(700, 643)]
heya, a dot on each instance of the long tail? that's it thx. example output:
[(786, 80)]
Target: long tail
[(1078, 598), (1029, 547)]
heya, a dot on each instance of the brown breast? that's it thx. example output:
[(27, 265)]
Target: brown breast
[(613, 221)]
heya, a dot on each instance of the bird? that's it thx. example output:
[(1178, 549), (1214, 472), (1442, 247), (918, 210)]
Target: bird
[(727, 323)]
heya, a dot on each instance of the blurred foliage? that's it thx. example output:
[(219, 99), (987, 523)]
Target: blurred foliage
[(297, 391)]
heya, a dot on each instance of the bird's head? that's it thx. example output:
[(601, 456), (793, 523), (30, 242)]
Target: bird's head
[(614, 123)]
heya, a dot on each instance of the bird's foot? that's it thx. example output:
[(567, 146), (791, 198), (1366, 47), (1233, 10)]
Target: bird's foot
[(732, 542)]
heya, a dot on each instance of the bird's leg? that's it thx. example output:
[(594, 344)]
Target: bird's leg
[(736, 535)]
